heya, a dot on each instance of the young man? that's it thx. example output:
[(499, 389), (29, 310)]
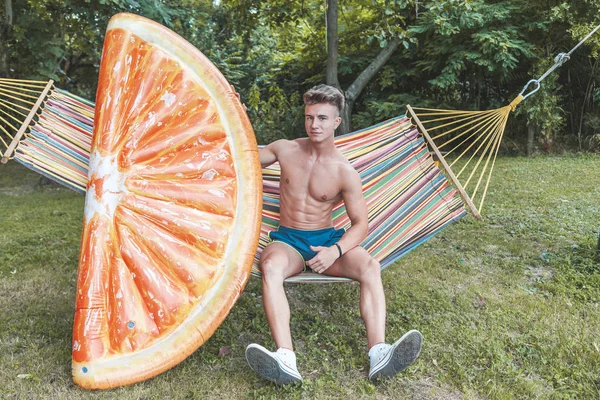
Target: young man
[(314, 177)]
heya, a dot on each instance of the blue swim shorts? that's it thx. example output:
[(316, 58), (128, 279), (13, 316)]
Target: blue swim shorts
[(301, 240)]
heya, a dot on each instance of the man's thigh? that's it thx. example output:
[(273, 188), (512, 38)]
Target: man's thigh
[(281, 258), (351, 264)]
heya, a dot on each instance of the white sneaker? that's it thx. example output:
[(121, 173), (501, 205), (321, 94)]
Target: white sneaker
[(387, 360), (278, 367)]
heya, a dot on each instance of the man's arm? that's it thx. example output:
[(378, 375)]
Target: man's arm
[(356, 208), (268, 154)]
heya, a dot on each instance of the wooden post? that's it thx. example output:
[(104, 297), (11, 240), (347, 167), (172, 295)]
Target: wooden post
[(451, 175), (13, 145)]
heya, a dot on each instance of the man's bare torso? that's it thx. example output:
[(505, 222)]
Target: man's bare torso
[(310, 186)]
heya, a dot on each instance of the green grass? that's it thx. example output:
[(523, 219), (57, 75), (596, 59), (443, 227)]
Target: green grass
[(509, 306)]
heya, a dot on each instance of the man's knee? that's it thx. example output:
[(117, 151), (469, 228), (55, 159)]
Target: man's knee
[(371, 270), (272, 267)]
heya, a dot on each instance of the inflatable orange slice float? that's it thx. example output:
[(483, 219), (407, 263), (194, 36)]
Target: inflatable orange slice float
[(172, 211)]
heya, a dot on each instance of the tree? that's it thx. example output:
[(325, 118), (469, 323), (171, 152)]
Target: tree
[(34, 46), (460, 54), (358, 85), (371, 33)]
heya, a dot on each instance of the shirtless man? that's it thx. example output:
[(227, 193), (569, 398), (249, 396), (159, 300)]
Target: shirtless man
[(314, 177)]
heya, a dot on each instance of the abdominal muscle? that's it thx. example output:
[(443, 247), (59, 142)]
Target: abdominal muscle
[(309, 188), (304, 212)]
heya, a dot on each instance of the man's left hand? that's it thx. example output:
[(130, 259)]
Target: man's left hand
[(324, 259)]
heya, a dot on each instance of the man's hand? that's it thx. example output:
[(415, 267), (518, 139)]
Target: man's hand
[(324, 259)]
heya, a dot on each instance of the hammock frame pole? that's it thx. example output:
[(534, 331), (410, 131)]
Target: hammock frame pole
[(451, 175), (13, 145)]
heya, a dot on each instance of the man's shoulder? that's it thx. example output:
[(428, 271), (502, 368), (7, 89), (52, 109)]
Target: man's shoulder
[(285, 144), (343, 162), (346, 170), (346, 167)]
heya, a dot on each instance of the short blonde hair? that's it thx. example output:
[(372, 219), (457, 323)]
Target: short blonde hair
[(325, 94)]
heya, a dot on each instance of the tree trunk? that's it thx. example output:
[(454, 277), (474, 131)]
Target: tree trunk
[(588, 92), (346, 125), (365, 76), (478, 98), (5, 29), (332, 44), (361, 82), (531, 128)]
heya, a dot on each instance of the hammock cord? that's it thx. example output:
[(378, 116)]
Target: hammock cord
[(559, 60)]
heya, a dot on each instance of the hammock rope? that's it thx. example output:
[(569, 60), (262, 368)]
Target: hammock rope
[(470, 141), (8, 87)]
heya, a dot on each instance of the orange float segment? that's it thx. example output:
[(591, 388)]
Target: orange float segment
[(200, 229), (172, 212), (217, 195), (93, 281), (130, 325), (115, 51), (171, 122), (90, 334), (90, 327), (195, 161), (190, 266), (164, 294)]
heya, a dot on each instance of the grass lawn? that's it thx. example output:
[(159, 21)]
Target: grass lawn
[(508, 306)]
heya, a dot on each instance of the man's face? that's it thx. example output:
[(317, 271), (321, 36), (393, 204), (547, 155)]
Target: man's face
[(320, 121)]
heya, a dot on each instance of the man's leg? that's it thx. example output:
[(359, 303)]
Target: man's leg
[(278, 261), (357, 264), (386, 360)]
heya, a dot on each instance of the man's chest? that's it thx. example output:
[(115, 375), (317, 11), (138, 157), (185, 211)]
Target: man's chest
[(300, 178)]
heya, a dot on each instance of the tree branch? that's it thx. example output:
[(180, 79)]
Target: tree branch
[(363, 79)]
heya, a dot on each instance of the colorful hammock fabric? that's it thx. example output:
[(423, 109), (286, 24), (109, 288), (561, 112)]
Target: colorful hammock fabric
[(58, 145), (408, 197)]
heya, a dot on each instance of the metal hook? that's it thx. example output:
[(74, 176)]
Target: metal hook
[(536, 82)]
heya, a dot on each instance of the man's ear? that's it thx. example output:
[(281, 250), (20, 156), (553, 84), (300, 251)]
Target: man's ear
[(338, 121)]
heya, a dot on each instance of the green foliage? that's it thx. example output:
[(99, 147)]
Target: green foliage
[(461, 54), (276, 117), (465, 45), (543, 108)]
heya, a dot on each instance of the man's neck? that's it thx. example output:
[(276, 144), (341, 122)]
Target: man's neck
[(320, 149)]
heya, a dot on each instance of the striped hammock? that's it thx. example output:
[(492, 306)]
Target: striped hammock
[(58, 145), (409, 199)]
